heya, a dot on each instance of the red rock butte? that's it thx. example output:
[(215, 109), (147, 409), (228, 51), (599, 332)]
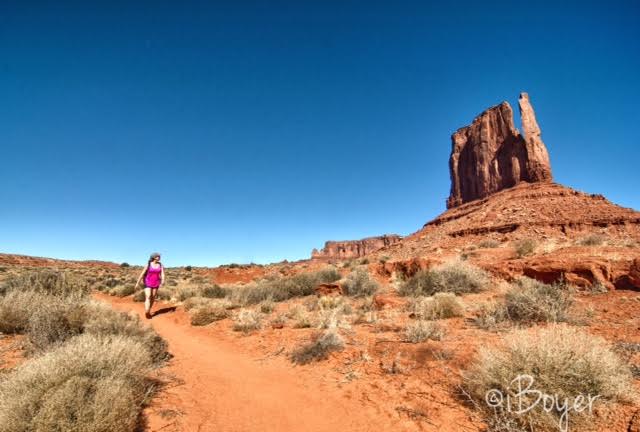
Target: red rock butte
[(491, 154), (354, 248)]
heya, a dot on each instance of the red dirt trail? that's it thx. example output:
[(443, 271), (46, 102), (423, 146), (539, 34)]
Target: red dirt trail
[(221, 388)]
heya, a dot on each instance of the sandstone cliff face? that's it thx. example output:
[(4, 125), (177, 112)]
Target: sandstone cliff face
[(354, 248), (491, 154)]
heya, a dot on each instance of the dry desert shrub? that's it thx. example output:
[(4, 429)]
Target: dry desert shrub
[(300, 316), (267, 306), (15, 309), (90, 384), (455, 277), (592, 240), (360, 284), (488, 244), (103, 321), (207, 314), (247, 320), (530, 301), (282, 288), (439, 306), (524, 247), (47, 282), (214, 291), (53, 320), (319, 348), (527, 302), (123, 290), (559, 361), (422, 330)]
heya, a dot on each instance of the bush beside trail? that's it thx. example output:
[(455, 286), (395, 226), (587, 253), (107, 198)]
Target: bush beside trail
[(92, 363)]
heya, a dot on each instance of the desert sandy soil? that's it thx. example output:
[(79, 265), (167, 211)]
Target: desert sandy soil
[(215, 386)]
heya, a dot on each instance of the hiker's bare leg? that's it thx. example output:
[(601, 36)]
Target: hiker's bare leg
[(147, 300)]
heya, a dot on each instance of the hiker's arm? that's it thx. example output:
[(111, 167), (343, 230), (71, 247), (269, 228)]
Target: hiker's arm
[(162, 276), (144, 270)]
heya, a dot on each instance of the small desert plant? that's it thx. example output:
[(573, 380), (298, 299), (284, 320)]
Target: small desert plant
[(524, 247), (47, 282), (441, 305), (488, 244), (300, 316), (455, 277), (359, 284), (139, 296), (89, 384), (267, 306), (283, 288), (185, 292), (207, 314), (562, 362), (214, 291), (247, 320), (123, 290), (491, 316), (125, 265), (530, 301), (15, 308), (592, 240), (421, 330), (319, 348)]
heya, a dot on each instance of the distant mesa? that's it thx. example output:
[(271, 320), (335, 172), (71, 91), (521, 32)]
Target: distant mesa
[(491, 154), (354, 248)]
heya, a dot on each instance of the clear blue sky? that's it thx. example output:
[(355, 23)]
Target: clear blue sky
[(240, 131)]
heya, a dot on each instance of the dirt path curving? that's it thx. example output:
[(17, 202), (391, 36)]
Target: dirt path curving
[(220, 388)]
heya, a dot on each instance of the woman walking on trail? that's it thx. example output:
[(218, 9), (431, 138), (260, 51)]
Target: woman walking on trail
[(153, 275)]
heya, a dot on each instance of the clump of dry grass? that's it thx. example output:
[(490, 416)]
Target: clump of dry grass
[(455, 277), (562, 361), (422, 330), (47, 282), (247, 320), (91, 383), (360, 284), (530, 301), (207, 314), (319, 348), (300, 316), (15, 309), (524, 247), (439, 306), (488, 244), (282, 288), (527, 302), (592, 240)]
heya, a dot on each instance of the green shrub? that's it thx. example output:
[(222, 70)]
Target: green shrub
[(319, 348), (421, 330), (562, 361), (359, 284), (454, 277), (440, 306)]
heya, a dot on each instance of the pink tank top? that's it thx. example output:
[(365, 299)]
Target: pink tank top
[(152, 279)]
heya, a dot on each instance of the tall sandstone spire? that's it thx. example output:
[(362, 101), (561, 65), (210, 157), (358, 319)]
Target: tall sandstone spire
[(490, 154)]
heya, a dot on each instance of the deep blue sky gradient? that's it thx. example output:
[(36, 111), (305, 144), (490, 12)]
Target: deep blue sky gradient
[(240, 131)]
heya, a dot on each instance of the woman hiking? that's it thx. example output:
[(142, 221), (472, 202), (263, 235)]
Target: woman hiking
[(153, 275)]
